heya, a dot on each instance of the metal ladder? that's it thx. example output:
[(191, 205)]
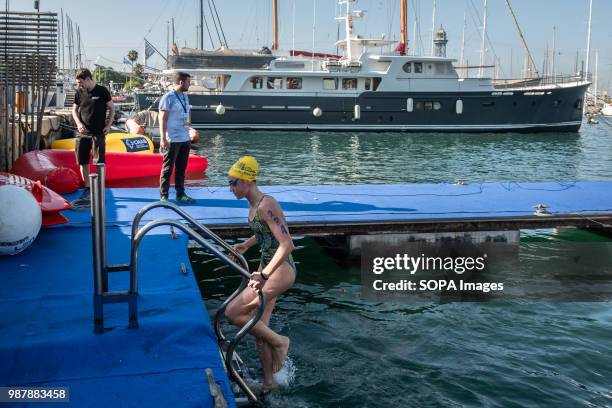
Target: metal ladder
[(196, 231)]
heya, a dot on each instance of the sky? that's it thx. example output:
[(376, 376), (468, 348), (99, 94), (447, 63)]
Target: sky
[(111, 28)]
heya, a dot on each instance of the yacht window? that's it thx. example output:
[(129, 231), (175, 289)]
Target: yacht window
[(368, 84), (274, 83), (294, 83), (418, 67), (257, 82), (407, 67), (428, 105), (330, 83), (437, 105), (376, 83), (419, 105), (349, 83)]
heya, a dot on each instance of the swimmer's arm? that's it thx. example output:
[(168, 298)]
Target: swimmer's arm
[(248, 243), (272, 214)]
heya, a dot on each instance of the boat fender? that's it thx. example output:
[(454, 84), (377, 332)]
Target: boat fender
[(317, 112), (220, 109), (409, 105), (459, 106), (357, 112), (20, 219)]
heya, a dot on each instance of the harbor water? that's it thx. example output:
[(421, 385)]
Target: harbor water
[(349, 352)]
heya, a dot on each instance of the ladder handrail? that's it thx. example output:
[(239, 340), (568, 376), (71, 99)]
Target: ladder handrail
[(134, 251), (193, 221), (208, 233)]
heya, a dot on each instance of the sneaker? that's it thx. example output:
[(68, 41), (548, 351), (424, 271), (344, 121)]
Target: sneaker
[(185, 199), (163, 199), (85, 195)]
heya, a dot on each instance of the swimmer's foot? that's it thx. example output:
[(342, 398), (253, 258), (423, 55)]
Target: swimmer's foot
[(280, 355)]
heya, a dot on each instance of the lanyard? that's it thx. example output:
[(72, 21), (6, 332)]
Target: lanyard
[(181, 101)]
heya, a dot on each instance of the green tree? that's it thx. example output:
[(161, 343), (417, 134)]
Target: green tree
[(106, 74), (133, 83), (138, 71), (132, 56)]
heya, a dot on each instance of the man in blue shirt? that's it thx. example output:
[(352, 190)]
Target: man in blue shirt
[(174, 123)]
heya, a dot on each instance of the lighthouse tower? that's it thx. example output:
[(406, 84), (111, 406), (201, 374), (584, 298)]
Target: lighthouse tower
[(440, 43)]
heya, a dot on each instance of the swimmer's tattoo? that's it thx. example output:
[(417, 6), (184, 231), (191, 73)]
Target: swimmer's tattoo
[(278, 222)]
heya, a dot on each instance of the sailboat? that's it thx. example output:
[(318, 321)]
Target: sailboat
[(370, 90)]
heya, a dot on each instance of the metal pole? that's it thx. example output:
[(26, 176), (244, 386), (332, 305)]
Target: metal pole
[(101, 171), (97, 257), (201, 24), (482, 41), (589, 40), (433, 28)]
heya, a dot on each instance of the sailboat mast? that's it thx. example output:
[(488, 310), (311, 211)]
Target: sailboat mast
[(275, 14), (403, 28), (433, 28), (482, 41), (589, 39), (201, 24), (462, 61)]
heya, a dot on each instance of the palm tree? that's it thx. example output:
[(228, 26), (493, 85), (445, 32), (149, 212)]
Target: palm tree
[(132, 57)]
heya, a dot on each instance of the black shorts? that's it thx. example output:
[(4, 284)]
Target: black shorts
[(83, 147)]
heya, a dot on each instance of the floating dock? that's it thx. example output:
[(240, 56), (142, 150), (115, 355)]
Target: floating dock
[(46, 328), (383, 208), (46, 324)]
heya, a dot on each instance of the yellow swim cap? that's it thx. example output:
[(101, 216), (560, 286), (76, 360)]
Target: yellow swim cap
[(246, 168)]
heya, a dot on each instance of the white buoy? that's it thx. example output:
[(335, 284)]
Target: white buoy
[(357, 112), (317, 112), (220, 110), (20, 219)]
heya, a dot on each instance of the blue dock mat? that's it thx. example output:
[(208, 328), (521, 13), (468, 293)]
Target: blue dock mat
[(46, 324), (372, 202)]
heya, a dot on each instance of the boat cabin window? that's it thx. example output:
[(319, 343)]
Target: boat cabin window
[(257, 82), (418, 67), (368, 84), (330, 84), (427, 105), (349, 83), (294, 83), (407, 67), (274, 83), (376, 83)]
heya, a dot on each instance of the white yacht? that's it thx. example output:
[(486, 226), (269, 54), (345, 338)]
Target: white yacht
[(370, 90)]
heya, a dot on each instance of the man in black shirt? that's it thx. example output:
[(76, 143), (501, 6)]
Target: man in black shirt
[(91, 102)]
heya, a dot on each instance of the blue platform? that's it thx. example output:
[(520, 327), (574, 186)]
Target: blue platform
[(46, 324), (46, 328), (374, 202)]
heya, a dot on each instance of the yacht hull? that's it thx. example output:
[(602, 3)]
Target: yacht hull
[(527, 110)]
